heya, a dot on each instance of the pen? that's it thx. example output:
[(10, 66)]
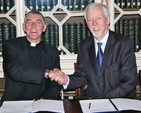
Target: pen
[(89, 105), (114, 105)]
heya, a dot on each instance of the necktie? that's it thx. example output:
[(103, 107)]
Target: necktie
[(99, 57)]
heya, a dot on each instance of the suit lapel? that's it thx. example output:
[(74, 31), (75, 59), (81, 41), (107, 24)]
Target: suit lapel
[(92, 55), (92, 66), (45, 58), (24, 51), (108, 51)]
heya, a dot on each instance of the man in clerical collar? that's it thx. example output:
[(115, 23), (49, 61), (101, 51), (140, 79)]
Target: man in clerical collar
[(28, 61)]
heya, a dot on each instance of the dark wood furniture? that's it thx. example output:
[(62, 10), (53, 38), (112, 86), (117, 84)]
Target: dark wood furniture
[(73, 106), (78, 90), (140, 80)]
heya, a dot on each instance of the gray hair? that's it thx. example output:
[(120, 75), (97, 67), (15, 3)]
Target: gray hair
[(91, 6), (34, 12)]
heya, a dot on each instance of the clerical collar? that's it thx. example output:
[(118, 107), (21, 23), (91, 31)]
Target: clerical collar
[(32, 44)]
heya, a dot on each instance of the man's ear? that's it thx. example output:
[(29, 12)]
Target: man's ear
[(45, 27), (23, 25), (108, 20)]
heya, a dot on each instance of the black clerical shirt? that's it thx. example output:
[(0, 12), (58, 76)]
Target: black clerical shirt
[(32, 90)]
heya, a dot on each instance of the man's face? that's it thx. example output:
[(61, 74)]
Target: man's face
[(34, 27), (98, 23)]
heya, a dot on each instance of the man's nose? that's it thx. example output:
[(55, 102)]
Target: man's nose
[(33, 24), (94, 22)]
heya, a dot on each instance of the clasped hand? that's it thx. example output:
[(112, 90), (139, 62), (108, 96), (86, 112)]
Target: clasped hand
[(58, 76)]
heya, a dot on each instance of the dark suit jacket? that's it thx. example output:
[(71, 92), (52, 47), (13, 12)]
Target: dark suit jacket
[(19, 72), (118, 72)]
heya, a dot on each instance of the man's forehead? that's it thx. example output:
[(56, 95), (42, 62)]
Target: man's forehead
[(33, 14), (34, 17)]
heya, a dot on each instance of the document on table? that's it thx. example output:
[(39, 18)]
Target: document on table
[(16, 107), (32, 106), (127, 104), (96, 105), (48, 105)]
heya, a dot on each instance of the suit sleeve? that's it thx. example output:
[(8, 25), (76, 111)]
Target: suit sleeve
[(79, 78), (17, 71)]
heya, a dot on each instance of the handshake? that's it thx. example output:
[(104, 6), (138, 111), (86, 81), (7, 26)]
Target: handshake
[(58, 76)]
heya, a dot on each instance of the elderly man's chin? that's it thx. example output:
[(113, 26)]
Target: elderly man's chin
[(97, 35)]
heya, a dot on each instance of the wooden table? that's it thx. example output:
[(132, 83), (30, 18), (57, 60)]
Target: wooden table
[(73, 106)]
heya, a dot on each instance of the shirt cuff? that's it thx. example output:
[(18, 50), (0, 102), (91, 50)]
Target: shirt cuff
[(66, 85)]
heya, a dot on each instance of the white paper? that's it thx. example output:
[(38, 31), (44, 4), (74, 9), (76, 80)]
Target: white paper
[(16, 107), (97, 105), (48, 105), (127, 104)]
